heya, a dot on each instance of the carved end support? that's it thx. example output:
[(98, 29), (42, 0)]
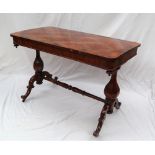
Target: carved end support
[(29, 88), (111, 92), (38, 77)]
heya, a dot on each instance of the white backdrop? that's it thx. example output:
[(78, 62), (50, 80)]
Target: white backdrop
[(53, 113)]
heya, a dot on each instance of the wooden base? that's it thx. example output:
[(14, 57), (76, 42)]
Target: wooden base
[(49, 77), (111, 90)]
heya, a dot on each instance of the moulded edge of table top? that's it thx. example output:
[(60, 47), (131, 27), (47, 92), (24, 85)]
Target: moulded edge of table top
[(94, 60), (111, 55)]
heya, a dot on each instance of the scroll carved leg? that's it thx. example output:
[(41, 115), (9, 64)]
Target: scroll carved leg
[(117, 104), (101, 120), (111, 92), (29, 88), (38, 77)]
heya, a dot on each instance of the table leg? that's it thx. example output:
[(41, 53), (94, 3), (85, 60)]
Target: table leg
[(111, 92), (38, 66)]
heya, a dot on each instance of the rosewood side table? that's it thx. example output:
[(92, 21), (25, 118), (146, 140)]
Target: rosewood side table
[(103, 52)]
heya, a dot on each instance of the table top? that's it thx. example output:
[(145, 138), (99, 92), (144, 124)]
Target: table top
[(76, 43), (80, 41)]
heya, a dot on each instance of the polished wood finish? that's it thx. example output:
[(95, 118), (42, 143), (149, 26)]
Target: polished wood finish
[(95, 50), (99, 51), (111, 92), (38, 77)]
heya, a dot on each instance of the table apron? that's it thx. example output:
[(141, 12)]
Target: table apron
[(93, 60)]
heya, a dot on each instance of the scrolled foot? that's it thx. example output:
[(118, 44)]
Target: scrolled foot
[(29, 88), (96, 133), (110, 111), (101, 120), (117, 104), (23, 98)]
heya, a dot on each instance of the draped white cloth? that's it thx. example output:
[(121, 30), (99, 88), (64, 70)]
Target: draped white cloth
[(54, 113)]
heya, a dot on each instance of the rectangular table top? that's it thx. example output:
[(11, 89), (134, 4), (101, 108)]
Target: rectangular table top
[(88, 48)]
